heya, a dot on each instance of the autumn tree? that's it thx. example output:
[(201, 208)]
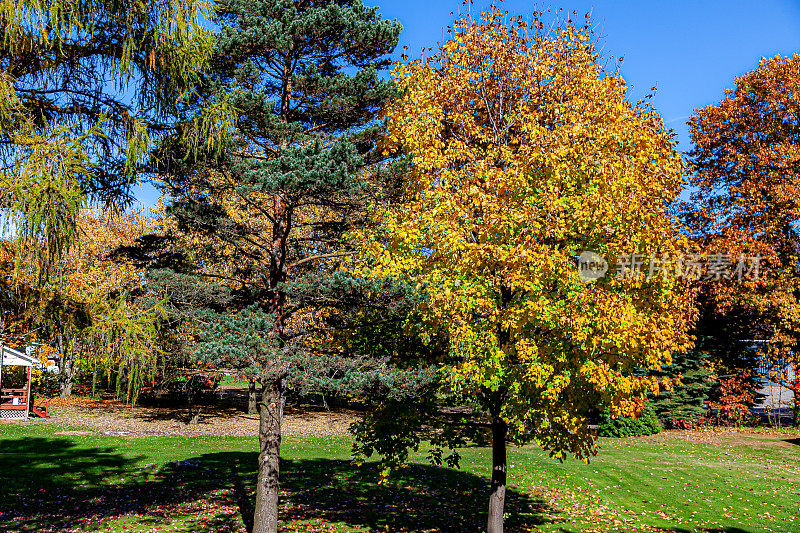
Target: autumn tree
[(525, 151), (24, 304), (87, 87), (746, 173), (265, 213), (122, 339), (85, 310)]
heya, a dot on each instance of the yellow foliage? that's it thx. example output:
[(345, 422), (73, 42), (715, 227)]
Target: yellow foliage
[(524, 152)]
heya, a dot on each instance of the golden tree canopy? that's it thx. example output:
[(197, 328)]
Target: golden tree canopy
[(525, 152)]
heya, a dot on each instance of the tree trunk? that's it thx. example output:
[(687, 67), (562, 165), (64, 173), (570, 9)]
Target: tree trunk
[(270, 410), (66, 377), (265, 519), (67, 373), (94, 377), (497, 498), (252, 399)]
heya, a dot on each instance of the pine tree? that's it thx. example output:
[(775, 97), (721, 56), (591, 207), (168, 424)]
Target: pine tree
[(687, 399), (267, 212)]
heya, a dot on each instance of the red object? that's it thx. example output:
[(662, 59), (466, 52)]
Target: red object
[(41, 412)]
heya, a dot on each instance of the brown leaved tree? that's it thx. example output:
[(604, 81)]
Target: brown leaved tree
[(746, 162)]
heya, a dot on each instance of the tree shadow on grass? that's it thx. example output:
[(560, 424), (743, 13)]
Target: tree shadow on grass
[(417, 498), (58, 484), (59, 461), (681, 530)]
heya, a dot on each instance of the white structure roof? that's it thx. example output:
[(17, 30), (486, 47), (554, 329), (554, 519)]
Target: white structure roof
[(13, 357)]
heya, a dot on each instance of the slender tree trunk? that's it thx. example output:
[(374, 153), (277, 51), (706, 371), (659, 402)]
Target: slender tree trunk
[(497, 498), (94, 377), (270, 410), (189, 404), (67, 373), (265, 519), (192, 392), (252, 399)]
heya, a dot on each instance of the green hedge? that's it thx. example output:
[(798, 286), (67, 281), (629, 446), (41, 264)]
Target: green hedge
[(625, 426)]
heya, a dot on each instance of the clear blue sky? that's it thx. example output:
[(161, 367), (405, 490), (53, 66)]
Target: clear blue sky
[(690, 50)]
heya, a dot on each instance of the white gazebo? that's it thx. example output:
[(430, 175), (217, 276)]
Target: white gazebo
[(15, 403)]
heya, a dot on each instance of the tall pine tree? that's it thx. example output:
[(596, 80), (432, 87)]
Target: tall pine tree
[(267, 213)]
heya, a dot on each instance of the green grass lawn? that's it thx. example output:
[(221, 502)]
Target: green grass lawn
[(51, 482)]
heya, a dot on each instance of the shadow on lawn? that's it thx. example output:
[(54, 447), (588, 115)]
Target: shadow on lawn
[(51, 484), (681, 530), (418, 498)]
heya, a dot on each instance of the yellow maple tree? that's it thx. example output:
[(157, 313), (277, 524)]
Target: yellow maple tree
[(524, 151)]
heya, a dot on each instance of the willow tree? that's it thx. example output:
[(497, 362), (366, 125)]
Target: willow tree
[(87, 86), (121, 338), (88, 314), (524, 151)]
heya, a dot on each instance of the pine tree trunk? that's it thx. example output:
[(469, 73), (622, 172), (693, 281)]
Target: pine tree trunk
[(265, 519), (497, 498), (252, 399)]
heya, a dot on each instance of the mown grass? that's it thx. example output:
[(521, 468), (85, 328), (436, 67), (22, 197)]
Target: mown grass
[(736, 483)]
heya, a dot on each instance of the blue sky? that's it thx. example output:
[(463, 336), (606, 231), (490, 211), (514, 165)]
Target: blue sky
[(690, 50)]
